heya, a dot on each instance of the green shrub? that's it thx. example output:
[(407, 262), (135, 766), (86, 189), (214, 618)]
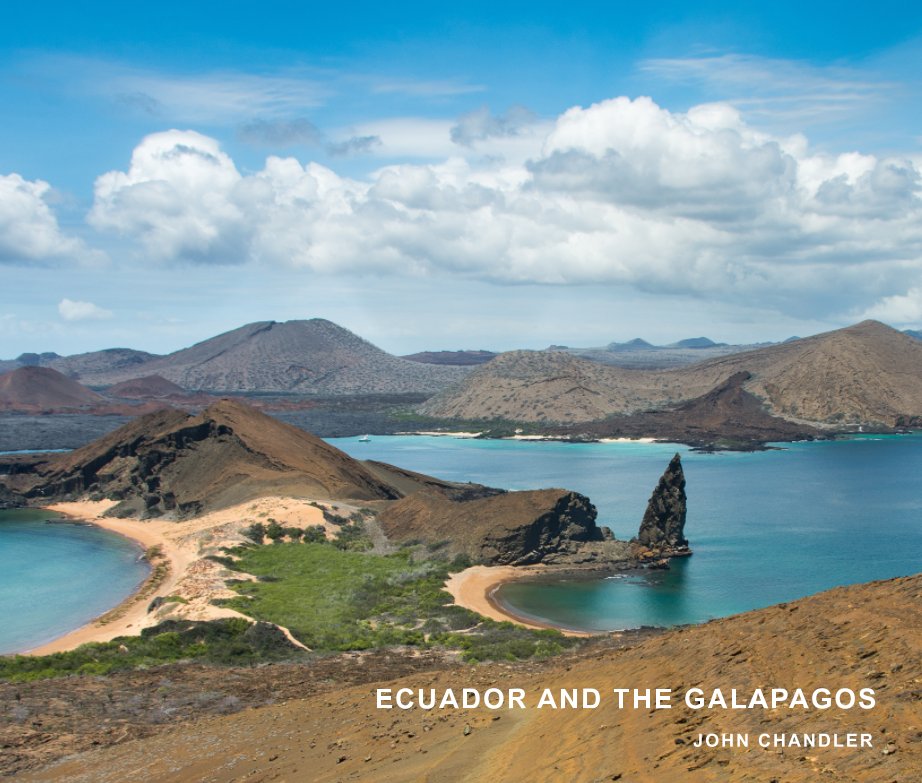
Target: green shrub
[(234, 640)]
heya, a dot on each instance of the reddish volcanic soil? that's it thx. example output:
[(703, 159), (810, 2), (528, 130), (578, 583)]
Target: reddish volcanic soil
[(852, 637), (41, 388)]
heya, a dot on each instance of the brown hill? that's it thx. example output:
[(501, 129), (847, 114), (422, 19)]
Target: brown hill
[(145, 388), (308, 357), (549, 386), (861, 636), (726, 415), (181, 465), (176, 463), (30, 389), (514, 528), (864, 374)]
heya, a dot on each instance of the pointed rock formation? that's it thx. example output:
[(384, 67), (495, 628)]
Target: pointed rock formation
[(663, 527)]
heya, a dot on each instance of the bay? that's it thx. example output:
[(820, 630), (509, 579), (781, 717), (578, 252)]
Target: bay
[(765, 527), (58, 575)]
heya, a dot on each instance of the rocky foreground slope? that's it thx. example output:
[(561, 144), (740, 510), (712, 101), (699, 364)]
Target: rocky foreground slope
[(862, 636), (867, 374)]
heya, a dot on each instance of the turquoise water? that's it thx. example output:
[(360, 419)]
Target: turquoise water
[(765, 527), (56, 576)]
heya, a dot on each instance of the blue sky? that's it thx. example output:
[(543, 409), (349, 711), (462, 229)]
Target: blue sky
[(498, 176)]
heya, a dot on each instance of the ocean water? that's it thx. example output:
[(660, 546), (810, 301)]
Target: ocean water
[(56, 576), (765, 527)]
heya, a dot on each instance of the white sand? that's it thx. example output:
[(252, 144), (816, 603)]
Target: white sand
[(474, 588), (191, 576)]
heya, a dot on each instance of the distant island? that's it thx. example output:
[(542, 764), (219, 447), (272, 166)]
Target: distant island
[(323, 378)]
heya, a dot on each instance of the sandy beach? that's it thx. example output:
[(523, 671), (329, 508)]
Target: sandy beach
[(186, 572), (474, 589), (188, 575), (440, 434)]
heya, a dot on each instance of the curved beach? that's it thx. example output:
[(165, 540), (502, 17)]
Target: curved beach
[(128, 616), (475, 588), (184, 569)]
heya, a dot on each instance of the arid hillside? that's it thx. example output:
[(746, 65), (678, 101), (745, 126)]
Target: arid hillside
[(171, 462), (863, 636), (178, 465), (864, 374), (551, 386), (145, 388), (309, 357), (81, 364), (41, 388)]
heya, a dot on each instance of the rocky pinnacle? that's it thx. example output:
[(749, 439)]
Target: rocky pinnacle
[(663, 525)]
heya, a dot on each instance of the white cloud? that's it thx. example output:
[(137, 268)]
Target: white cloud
[(228, 96), (177, 199), (621, 192), (215, 97), (776, 89), (404, 137), (71, 310), (901, 309), (480, 124), (29, 230)]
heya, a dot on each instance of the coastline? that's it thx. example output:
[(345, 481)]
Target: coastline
[(187, 572), (475, 588), (129, 613), (184, 547)]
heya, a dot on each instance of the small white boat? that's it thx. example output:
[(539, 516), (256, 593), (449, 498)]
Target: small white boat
[(365, 439)]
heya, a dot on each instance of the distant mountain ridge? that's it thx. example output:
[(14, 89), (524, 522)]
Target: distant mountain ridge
[(458, 358), (640, 354), (863, 374), (696, 342), (81, 364), (307, 357)]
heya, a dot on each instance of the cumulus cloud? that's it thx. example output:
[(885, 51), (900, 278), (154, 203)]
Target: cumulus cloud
[(71, 310), (901, 309), (621, 192), (177, 199), (29, 230)]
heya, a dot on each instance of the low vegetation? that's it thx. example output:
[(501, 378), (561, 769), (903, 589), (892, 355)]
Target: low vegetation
[(338, 598), (228, 641), (333, 595)]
